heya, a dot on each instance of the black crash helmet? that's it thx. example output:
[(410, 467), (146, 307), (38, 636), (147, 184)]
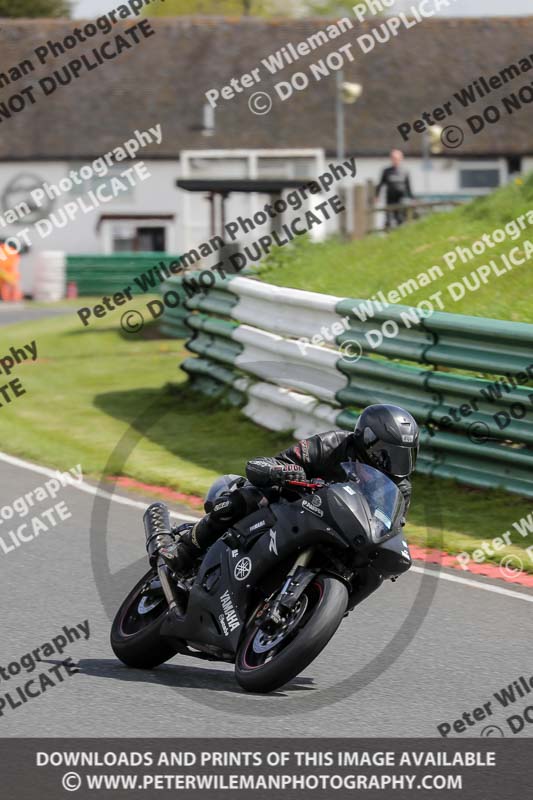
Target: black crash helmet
[(387, 438)]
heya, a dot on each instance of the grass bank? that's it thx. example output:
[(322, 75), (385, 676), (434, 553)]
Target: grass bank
[(362, 268)]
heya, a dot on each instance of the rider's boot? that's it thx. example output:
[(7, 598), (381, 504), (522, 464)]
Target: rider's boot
[(179, 555), (182, 557)]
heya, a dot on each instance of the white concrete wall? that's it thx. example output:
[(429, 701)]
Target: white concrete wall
[(159, 195)]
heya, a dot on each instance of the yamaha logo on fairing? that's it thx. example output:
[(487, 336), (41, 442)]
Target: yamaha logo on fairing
[(243, 569), (230, 614), (316, 501)]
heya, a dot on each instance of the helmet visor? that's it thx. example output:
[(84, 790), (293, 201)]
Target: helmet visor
[(392, 458)]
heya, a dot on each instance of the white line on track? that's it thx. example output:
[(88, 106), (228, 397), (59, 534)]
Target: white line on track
[(488, 587), (126, 501), (86, 487)]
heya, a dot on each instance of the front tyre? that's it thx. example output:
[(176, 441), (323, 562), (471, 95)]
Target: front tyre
[(135, 636), (266, 662)]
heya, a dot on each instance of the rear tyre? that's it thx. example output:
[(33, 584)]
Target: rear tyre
[(135, 633), (265, 663)]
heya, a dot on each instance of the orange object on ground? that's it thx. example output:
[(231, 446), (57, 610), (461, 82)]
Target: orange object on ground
[(10, 290)]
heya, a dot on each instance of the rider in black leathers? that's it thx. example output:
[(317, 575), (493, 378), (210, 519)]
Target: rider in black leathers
[(385, 436)]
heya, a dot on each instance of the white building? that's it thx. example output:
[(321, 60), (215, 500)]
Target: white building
[(164, 80)]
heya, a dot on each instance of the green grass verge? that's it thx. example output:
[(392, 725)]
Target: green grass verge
[(362, 268), (93, 388)]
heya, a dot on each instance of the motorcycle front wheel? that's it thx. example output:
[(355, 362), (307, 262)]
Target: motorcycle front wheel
[(265, 662), (135, 634)]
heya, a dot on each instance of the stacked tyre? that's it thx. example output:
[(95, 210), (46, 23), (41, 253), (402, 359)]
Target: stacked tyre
[(49, 276)]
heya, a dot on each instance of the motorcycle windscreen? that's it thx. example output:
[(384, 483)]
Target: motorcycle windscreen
[(382, 496)]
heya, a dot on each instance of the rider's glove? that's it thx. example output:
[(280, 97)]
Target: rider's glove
[(281, 473)]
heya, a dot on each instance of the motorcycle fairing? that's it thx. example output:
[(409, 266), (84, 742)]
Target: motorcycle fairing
[(226, 587)]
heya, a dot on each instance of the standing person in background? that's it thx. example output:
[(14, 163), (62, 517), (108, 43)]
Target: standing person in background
[(10, 291), (398, 188)]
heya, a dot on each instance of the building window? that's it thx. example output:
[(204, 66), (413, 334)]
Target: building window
[(134, 239), (479, 178), (514, 165)]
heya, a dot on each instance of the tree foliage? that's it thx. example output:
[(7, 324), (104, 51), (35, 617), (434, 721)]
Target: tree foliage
[(255, 8), (222, 8), (34, 8)]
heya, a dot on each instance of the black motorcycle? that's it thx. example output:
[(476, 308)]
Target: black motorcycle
[(270, 594)]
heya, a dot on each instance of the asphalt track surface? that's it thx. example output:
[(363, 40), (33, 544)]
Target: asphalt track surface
[(20, 312), (417, 653)]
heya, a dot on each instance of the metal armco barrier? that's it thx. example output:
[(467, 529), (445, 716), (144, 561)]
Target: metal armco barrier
[(247, 340)]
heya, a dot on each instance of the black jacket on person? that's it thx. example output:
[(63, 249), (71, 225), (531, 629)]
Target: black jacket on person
[(320, 456), (397, 184)]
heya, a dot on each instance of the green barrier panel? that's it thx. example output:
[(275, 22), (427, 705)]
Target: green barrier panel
[(409, 345), (486, 359), (379, 381), (212, 380), (212, 347), (448, 403), (516, 335), (473, 477), (216, 301), (384, 371), (218, 327), (466, 342), (456, 387), (362, 396), (100, 274)]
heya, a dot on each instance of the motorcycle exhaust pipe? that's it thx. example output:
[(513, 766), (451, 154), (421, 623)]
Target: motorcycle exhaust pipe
[(158, 534), (157, 527), (171, 596)]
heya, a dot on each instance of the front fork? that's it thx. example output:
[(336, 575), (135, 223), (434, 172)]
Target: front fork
[(297, 581)]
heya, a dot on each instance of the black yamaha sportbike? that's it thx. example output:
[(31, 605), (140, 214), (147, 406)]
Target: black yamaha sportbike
[(270, 594)]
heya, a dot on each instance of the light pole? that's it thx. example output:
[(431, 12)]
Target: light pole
[(431, 145), (346, 94)]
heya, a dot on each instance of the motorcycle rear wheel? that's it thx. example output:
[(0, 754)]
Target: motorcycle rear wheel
[(263, 666), (135, 633)]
